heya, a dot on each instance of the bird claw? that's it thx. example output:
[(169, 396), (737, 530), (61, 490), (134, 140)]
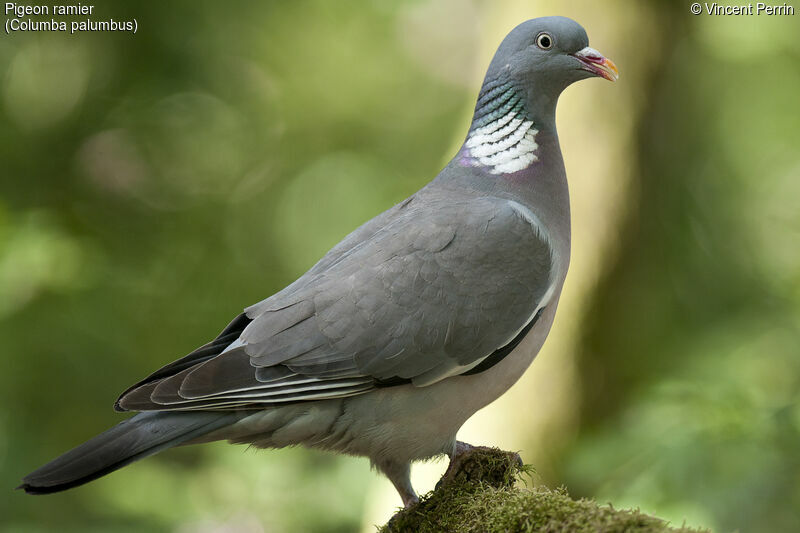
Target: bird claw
[(410, 501), (461, 459)]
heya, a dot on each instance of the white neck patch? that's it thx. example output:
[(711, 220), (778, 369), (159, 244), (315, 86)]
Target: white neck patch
[(505, 145), (502, 137)]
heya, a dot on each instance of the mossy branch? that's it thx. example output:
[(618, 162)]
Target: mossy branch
[(484, 496)]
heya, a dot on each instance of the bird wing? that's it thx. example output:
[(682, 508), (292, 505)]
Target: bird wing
[(440, 286)]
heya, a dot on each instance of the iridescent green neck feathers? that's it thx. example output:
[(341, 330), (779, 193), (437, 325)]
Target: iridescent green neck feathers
[(502, 137)]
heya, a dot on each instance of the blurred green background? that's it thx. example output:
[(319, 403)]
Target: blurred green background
[(153, 185)]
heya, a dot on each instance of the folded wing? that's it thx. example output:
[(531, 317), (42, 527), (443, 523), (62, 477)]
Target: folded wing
[(432, 291)]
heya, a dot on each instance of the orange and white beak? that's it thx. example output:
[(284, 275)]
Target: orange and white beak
[(594, 62)]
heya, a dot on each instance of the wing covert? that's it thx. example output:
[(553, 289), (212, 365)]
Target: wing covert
[(430, 294)]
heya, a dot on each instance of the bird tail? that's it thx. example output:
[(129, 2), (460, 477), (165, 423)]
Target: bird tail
[(136, 438)]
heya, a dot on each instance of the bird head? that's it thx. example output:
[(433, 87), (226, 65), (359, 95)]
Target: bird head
[(515, 111), (548, 54)]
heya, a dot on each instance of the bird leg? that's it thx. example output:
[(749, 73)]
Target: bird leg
[(400, 476)]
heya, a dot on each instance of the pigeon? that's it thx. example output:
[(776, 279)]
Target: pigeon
[(412, 323)]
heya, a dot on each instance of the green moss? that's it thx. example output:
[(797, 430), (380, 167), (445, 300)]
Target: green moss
[(483, 497)]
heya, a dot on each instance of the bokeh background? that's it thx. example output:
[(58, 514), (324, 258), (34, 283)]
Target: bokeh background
[(153, 185)]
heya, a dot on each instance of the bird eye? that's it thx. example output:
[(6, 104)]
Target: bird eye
[(544, 41)]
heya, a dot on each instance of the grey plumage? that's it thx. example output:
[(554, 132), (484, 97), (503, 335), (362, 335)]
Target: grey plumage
[(414, 321)]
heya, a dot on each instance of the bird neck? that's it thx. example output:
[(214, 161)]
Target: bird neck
[(503, 136)]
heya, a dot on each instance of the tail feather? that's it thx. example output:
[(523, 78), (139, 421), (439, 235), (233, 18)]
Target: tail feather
[(136, 438)]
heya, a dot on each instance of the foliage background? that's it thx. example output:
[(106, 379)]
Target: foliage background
[(152, 185)]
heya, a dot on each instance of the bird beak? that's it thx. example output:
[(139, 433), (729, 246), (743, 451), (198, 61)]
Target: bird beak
[(594, 62)]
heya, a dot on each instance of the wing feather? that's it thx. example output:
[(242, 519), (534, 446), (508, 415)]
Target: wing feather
[(429, 292)]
